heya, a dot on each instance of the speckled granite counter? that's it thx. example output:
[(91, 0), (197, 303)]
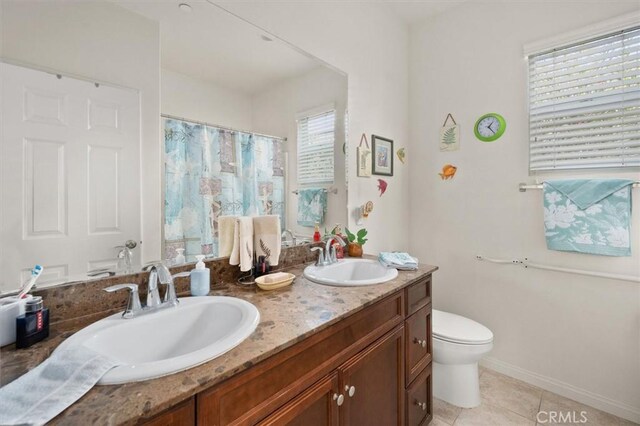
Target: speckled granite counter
[(287, 316)]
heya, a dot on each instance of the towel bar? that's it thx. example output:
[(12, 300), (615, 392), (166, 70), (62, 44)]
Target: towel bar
[(330, 191), (526, 264), (523, 187)]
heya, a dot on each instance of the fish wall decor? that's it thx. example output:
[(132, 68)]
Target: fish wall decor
[(448, 172)]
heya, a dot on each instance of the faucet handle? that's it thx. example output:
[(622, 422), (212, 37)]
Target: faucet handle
[(170, 295), (133, 304), (320, 261)]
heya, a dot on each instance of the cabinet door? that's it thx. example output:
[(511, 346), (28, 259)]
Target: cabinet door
[(183, 414), (317, 406), (372, 383)]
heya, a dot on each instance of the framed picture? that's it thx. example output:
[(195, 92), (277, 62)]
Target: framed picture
[(382, 155)]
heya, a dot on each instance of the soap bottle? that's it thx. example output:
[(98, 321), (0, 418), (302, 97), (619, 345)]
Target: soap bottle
[(180, 259), (316, 234), (33, 326), (200, 278)]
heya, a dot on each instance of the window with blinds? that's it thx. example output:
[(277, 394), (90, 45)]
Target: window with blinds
[(584, 104), (316, 136)]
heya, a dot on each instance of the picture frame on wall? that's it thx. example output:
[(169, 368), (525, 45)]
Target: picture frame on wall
[(382, 155)]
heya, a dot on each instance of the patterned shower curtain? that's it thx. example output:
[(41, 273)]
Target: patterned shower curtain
[(212, 172)]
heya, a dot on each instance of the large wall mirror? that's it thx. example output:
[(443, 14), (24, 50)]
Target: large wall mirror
[(130, 127)]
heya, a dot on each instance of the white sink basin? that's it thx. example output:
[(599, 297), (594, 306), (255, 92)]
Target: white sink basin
[(169, 340), (350, 273)]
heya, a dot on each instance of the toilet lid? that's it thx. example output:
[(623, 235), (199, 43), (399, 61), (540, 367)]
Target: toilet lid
[(458, 329)]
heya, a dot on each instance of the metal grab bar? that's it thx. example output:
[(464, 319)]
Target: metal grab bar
[(526, 264), (523, 187)]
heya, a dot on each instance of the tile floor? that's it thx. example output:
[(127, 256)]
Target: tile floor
[(507, 401)]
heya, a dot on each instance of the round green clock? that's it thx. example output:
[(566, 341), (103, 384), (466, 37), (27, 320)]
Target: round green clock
[(490, 127)]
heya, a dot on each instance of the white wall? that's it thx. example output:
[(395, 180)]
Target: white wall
[(274, 113), (576, 335), (107, 43), (188, 97), (371, 46)]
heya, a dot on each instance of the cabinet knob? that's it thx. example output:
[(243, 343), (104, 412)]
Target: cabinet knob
[(422, 405), (422, 343), (351, 390), (338, 398)]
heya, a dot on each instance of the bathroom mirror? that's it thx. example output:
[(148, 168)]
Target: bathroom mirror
[(140, 123)]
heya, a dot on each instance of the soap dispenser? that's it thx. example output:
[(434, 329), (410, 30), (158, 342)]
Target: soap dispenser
[(200, 278)]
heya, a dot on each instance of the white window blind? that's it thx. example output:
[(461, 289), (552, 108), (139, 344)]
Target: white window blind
[(316, 135), (584, 104)]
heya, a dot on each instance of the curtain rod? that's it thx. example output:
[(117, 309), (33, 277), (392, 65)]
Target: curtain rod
[(188, 120), (523, 186)]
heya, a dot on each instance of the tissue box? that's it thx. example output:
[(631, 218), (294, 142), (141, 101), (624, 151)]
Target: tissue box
[(10, 309)]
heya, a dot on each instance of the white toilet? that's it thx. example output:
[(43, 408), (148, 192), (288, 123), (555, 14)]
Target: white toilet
[(458, 344)]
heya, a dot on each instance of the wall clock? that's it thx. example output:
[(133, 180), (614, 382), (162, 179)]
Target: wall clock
[(490, 127)]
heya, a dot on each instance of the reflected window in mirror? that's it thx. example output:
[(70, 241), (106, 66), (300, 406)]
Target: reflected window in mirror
[(316, 140), (212, 172)]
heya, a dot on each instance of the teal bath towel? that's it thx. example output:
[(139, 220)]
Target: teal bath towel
[(588, 216), (312, 205)]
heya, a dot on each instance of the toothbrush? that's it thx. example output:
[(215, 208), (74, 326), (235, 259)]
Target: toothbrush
[(35, 273)]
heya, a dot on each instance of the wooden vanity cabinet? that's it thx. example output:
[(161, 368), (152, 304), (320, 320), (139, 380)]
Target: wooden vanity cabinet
[(371, 368)]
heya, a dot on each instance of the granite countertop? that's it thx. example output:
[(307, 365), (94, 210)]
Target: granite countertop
[(287, 316)]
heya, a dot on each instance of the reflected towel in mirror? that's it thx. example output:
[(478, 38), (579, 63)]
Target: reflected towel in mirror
[(267, 238), (242, 252), (312, 205), (226, 229)]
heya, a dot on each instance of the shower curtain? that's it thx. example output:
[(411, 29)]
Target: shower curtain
[(212, 172)]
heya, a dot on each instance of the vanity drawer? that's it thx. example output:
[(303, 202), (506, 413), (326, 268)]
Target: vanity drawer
[(257, 392), (419, 399), (417, 342), (418, 295)]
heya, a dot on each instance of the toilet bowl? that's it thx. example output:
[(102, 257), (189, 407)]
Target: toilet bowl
[(458, 344)]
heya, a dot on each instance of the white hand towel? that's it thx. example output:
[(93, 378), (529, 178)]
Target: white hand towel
[(267, 238), (226, 229), (242, 252), (47, 390)]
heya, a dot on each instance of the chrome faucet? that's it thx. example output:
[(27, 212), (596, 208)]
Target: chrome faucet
[(330, 251), (158, 273), (327, 256), (293, 237)]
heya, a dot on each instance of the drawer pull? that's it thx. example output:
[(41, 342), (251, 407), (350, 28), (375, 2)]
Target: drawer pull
[(338, 398), (422, 343), (422, 405), (351, 390)]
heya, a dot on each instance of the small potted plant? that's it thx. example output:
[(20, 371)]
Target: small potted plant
[(356, 242)]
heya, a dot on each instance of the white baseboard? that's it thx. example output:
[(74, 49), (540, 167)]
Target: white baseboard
[(586, 397)]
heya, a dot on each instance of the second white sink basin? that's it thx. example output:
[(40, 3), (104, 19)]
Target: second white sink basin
[(350, 273), (169, 340)]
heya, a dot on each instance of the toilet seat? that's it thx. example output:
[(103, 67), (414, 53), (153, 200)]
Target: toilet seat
[(458, 329)]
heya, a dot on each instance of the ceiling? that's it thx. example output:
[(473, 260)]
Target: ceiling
[(417, 10), (212, 45)]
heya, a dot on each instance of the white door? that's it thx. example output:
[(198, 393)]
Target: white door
[(70, 174)]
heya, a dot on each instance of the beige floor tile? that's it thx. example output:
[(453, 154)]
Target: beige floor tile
[(489, 415), (572, 411), (447, 412), (437, 421), (502, 391)]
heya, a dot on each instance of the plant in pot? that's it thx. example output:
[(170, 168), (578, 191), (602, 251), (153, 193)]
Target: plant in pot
[(356, 241)]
